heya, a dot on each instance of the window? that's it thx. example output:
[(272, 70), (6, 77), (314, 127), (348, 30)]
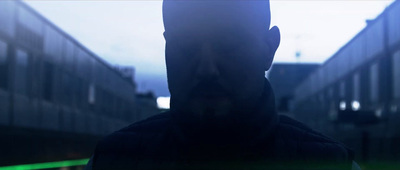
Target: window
[(342, 90), (3, 65), (67, 83), (78, 91), (396, 74), (356, 87), (21, 72), (374, 82), (53, 43), (92, 94), (69, 54), (3, 52), (330, 93), (47, 91)]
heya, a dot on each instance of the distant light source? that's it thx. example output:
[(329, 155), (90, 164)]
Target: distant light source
[(342, 105), (393, 108), (378, 112), (355, 105), (163, 102)]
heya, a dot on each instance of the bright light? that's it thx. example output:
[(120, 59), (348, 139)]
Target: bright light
[(342, 105), (163, 102), (355, 105), (378, 112)]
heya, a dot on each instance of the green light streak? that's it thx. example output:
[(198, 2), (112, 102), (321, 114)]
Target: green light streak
[(47, 165)]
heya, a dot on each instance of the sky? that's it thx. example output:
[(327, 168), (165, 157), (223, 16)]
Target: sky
[(129, 33)]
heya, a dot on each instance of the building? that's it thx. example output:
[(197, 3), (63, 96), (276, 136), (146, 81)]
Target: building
[(284, 78), (355, 95), (127, 72), (57, 98)]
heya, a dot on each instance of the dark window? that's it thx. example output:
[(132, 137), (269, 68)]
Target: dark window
[(3, 65), (21, 73), (342, 90), (47, 91), (69, 54), (67, 85), (53, 43), (29, 38), (92, 94), (78, 92), (396, 74), (374, 83), (356, 87)]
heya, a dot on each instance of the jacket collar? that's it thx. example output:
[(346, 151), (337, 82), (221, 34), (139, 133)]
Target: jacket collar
[(249, 130)]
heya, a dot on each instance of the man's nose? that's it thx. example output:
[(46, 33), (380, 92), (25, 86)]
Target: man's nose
[(207, 68)]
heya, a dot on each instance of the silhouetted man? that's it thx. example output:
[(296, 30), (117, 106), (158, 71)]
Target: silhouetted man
[(222, 113)]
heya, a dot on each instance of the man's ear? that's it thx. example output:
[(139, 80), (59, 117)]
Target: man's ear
[(273, 39)]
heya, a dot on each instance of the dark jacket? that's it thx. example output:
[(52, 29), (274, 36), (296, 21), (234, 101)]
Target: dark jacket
[(264, 141)]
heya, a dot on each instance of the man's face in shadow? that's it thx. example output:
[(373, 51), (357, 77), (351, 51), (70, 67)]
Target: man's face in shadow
[(217, 53)]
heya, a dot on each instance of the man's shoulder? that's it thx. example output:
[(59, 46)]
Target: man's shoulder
[(296, 136), (153, 124), (131, 137), (291, 128)]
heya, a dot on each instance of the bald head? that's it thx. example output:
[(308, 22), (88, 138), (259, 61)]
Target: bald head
[(254, 14), (217, 52)]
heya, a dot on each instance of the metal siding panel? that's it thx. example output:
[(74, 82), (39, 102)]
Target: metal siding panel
[(21, 72), (356, 87), (7, 17), (82, 63), (91, 123), (394, 24), (326, 74), (313, 83), (90, 69), (321, 77), (69, 55), (24, 116), (308, 89), (342, 66), (80, 122), (357, 52), (29, 20), (97, 125), (4, 66), (104, 125), (79, 62), (53, 44), (374, 82), (344, 62), (96, 73), (375, 38), (108, 125), (396, 75), (4, 108), (50, 116), (332, 70), (67, 120)]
